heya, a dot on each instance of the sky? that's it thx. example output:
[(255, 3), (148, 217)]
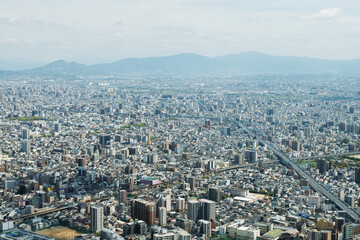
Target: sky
[(34, 32)]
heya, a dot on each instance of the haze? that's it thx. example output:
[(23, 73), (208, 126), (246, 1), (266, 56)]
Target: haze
[(94, 31)]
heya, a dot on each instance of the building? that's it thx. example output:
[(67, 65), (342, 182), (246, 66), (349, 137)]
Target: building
[(350, 200), (351, 231), (143, 210), (25, 146), (357, 175), (150, 181), (193, 207), (314, 201), (215, 194), (180, 204), (104, 139), (295, 145), (162, 216), (205, 228), (251, 155), (25, 134), (57, 127), (97, 218), (323, 165), (247, 233), (239, 159), (207, 210), (123, 196)]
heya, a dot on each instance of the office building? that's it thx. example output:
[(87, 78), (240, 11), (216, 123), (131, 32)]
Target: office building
[(215, 194), (357, 175), (97, 218), (239, 159), (25, 146), (162, 216), (323, 165), (25, 134)]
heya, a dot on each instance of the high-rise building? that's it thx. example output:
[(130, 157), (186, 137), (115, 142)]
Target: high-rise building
[(205, 228), (342, 126), (97, 218), (323, 165), (352, 147), (162, 216), (251, 155), (339, 222), (207, 210), (164, 202), (201, 209), (104, 139), (357, 175), (350, 200), (123, 196), (215, 194), (143, 210), (192, 182), (307, 132), (25, 134), (193, 207), (295, 145), (57, 127), (180, 204), (25, 146), (239, 159)]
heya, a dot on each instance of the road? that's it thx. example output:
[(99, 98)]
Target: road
[(353, 214), (325, 156)]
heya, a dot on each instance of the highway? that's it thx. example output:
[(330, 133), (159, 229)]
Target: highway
[(325, 156), (353, 215)]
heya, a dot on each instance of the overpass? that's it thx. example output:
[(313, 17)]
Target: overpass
[(285, 160), (349, 154), (352, 214)]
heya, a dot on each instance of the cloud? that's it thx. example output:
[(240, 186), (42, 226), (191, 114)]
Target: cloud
[(118, 23), (9, 40), (323, 14), (29, 22)]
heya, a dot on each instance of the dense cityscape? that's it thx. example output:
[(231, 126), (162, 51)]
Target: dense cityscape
[(272, 156)]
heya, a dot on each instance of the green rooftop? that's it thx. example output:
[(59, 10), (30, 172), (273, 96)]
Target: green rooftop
[(273, 233)]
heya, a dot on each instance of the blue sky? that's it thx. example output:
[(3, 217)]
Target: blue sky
[(95, 31)]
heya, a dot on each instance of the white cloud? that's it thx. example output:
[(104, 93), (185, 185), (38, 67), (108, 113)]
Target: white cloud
[(9, 40), (29, 22), (325, 13)]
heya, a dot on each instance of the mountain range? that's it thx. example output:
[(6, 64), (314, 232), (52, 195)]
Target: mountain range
[(194, 64)]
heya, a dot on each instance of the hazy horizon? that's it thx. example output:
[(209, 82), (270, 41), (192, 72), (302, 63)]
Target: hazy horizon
[(93, 31)]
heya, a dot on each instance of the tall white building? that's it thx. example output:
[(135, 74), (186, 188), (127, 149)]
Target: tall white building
[(97, 218), (162, 216), (180, 204)]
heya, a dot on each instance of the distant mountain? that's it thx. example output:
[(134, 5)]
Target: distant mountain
[(175, 64), (194, 64), (62, 67)]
